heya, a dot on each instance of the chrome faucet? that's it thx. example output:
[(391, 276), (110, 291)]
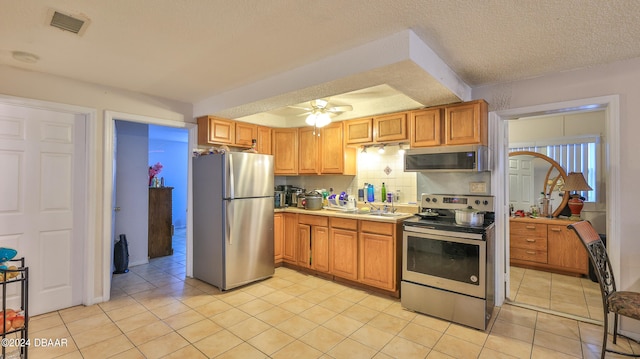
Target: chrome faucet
[(386, 208), (373, 207)]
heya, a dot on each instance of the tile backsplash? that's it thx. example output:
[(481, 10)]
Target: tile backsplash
[(387, 167), (373, 167)]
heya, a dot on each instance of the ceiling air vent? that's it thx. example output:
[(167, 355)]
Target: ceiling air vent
[(75, 24)]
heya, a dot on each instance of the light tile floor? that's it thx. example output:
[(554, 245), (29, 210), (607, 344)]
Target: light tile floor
[(579, 297), (155, 312)]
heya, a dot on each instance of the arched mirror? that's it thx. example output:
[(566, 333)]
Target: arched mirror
[(531, 173)]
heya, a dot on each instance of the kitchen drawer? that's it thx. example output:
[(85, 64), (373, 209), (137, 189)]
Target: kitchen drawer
[(528, 229), (344, 223), (376, 227), (530, 255), (321, 221), (529, 242)]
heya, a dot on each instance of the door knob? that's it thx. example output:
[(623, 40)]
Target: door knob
[(117, 209)]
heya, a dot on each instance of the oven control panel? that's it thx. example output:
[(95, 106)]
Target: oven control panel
[(452, 201)]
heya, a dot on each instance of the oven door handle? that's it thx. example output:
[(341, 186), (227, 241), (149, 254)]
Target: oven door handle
[(426, 232)]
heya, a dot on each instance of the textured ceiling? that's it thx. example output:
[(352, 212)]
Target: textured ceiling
[(196, 50)]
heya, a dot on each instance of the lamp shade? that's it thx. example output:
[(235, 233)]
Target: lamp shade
[(576, 182)]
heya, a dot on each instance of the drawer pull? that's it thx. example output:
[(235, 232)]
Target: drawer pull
[(530, 252), (530, 240), (530, 227), (555, 229)]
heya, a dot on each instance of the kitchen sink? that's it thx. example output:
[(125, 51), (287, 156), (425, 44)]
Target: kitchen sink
[(386, 214)]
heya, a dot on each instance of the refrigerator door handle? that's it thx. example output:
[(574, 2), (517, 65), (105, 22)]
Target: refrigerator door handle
[(231, 179), (229, 216)]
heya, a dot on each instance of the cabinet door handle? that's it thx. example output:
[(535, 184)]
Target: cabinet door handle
[(530, 252), (555, 229), (530, 227), (530, 240)]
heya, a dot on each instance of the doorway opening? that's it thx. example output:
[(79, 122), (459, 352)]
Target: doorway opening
[(167, 142), (610, 105)]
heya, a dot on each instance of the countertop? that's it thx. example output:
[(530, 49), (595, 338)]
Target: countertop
[(542, 220), (352, 215)]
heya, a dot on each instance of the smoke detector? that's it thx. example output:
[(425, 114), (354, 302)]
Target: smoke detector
[(76, 24)]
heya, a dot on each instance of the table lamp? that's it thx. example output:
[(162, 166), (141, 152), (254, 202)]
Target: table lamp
[(576, 182)]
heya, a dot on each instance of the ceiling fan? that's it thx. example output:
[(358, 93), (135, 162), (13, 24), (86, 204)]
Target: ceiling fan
[(318, 114)]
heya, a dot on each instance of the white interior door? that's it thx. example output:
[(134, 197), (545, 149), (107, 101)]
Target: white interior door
[(42, 156), (521, 186)]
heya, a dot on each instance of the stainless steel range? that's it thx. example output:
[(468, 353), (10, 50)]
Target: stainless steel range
[(447, 268)]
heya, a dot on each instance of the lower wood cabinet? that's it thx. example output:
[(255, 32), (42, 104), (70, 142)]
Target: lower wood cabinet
[(320, 249), (565, 250), (547, 244), (313, 242), (278, 237), (343, 248), (366, 252), (303, 252), (528, 242), (290, 236), (377, 260)]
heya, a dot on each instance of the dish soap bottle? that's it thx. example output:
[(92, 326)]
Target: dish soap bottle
[(383, 193), (370, 195)]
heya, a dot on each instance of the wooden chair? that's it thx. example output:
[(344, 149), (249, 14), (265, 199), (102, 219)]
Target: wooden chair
[(617, 302)]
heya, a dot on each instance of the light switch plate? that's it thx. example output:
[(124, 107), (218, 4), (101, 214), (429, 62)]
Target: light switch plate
[(478, 187)]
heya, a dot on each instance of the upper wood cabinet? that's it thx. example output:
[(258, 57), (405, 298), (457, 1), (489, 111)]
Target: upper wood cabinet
[(458, 124), (359, 131), (379, 129), (216, 130), (322, 151), (390, 128), (285, 151), (308, 154), (245, 134), (466, 123), (264, 140), (335, 158), (426, 127)]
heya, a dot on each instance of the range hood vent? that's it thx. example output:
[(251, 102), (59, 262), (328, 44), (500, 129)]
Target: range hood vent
[(74, 24)]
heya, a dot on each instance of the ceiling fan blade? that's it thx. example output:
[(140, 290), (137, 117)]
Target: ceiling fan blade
[(343, 108), (300, 108)]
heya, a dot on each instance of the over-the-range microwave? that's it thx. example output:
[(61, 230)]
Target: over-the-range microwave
[(467, 158)]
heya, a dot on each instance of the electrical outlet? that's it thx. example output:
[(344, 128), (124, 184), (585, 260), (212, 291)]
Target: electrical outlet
[(478, 187)]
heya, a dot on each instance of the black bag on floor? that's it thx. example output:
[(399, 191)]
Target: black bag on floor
[(121, 255)]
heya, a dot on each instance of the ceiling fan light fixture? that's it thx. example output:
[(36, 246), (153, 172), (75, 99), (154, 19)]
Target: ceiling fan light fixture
[(323, 119), (311, 119), (318, 119)]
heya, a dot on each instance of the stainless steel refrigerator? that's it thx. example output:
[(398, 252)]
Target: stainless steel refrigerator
[(233, 218)]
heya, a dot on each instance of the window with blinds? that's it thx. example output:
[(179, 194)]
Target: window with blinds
[(581, 156)]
